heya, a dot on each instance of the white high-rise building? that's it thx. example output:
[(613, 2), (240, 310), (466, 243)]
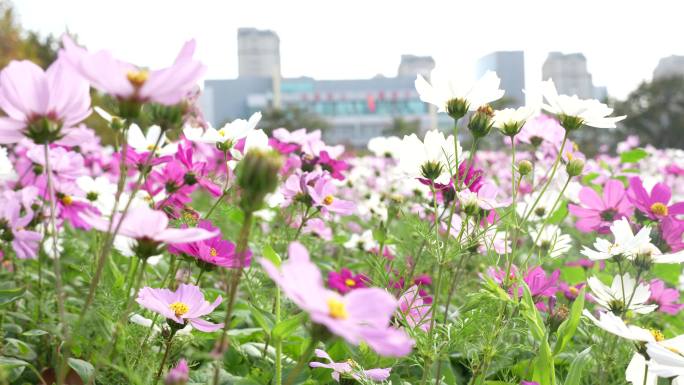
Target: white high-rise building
[(412, 65), (668, 67), (569, 73), (258, 53)]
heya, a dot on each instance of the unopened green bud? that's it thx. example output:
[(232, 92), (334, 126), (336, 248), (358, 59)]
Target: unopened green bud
[(480, 123), (524, 167), (116, 124), (575, 167), (457, 108), (570, 123), (257, 175), (167, 117), (511, 128)]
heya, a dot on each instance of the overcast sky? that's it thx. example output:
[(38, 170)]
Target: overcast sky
[(622, 40)]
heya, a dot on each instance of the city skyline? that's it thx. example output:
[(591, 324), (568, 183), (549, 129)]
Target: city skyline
[(359, 40)]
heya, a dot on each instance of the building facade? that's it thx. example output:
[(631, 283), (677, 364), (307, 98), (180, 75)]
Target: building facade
[(258, 53), (668, 67), (571, 76), (510, 66)]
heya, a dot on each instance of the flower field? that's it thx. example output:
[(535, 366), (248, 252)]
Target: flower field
[(182, 253)]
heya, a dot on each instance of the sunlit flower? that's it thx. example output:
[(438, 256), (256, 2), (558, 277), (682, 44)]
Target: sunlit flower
[(622, 295), (588, 112), (443, 89), (428, 160), (186, 304)]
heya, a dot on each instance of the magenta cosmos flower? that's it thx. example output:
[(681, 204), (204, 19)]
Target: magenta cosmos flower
[(144, 224), (361, 315), (656, 204), (34, 99), (417, 311), (597, 212), (322, 194), (179, 374), (13, 230), (214, 250), (346, 281), (125, 81), (667, 299), (186, 304)]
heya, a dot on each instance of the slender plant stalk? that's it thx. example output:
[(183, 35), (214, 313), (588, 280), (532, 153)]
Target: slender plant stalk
[(59, 291), (292, 376), (231, 290), (166, 356)]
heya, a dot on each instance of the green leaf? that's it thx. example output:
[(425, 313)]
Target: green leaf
[(84, 368), (531, 314), (34, 333), (577, 367), (633, 156), (12, 367), (544, 368), (559, 215), (261, 319), (271, 255), (589, 177), (567, 329), (10, 295), (286, 327)]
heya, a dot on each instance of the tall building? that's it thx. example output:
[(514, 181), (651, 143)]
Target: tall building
[(668, 67), (412, 65), (510, 66), (569, 73), (258, 53)]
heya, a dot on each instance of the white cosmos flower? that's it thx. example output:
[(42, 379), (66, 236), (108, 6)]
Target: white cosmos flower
[(145, 143), (434, 149), (512, 116), (388, 147), (623, 293), (364, 241), (635, 371), (255, 140), (667, 357), (233, 131), (99, 192), (485, 198), (543, 207), (552, 240), (615, 325), (6, 168), (592, 112), (443, 88), (625, 242)]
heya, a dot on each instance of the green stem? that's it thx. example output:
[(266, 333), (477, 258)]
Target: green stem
[(292, 376), (231, 290), (278, 343), (166, 356)]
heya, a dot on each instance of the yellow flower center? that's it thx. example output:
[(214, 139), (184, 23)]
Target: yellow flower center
[(213, 252), (569, 154), (350, 282), (137, 78), (328, 200), (150, 147), (573, 290), (221, 133), (336, 309), (179, 308), (657, 334), (67, 200), (659, 209)]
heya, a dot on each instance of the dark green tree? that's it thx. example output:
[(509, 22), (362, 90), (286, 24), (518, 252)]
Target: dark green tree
[(655, 112), (291, 118)]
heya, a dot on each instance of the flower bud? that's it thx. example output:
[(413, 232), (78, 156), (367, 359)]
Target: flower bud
[(178, 375), (524, 167), (575, 167), (457, 108), (167, 117), (257, 175), (480, 123)]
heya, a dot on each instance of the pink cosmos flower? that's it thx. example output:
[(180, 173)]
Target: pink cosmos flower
[(186, 304), (664, 297), (28, 94), (195, 172), (541, 286), (143, 223), (653, 205), (360, 315), (415, 309), (586, 263), (356, 373), (672, 232), (345, 281), (179, 374), (317, 226), (323, 196), (485, 197), (597, 213), (125, 81), (542, 129), (72, 206), (214, 250), (333, 166), (13, 229)]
